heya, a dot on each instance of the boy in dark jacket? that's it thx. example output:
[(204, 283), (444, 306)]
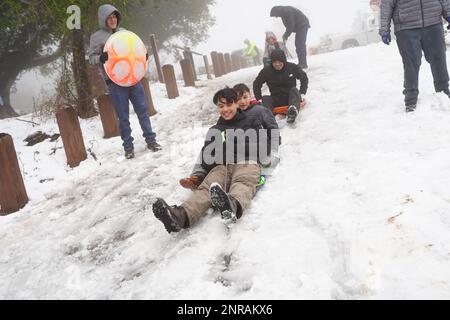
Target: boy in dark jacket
[(281, 78), (252, 108), (295, 21), (233, 169), (109, 20)]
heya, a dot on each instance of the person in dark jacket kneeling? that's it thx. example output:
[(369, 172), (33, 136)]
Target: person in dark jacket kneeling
[(281, 78)]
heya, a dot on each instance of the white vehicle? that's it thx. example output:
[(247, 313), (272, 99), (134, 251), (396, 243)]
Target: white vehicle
[(366, 32)]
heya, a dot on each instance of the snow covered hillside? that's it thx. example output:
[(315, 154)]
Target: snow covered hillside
[(359, 207)]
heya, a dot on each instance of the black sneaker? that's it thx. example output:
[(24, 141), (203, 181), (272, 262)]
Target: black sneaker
[(174, 218), (154, 146), (129, 154), (223, 203), (292, 114), (410, 108)]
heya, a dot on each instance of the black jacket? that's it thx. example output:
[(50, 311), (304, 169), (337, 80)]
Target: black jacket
[(226, 133), (280, 82), (293, 19)]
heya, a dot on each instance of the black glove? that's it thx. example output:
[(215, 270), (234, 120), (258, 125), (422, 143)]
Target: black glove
[(104, 57), (386, 39), (146, 57), (448, 20)]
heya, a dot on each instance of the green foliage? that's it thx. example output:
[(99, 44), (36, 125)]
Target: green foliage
[(30, 29)]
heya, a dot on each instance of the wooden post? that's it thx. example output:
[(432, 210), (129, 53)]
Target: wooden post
[(236, 62), (148, 96), (208, 72), (13, 195), (96, 81), (188, 76), (215, 62), (222, 64), (71, 135), (243, 62), (171, 81), (228, 67), (108, 116), (188, 55), (156, 56)]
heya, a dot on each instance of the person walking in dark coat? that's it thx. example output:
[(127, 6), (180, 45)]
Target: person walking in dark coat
[(281, 78), (418, 27), (295, 21)]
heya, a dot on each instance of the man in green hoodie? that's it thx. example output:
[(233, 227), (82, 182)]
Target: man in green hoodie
[(109, 19)]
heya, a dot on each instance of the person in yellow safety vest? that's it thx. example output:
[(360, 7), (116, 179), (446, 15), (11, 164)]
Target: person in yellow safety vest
[(252, 51)]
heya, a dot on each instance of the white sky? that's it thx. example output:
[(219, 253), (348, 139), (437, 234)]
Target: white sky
[(237, 20)]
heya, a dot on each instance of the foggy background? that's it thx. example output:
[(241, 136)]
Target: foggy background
[(236, 20)]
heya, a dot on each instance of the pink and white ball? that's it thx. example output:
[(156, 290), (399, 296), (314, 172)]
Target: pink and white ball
[(126, 64)]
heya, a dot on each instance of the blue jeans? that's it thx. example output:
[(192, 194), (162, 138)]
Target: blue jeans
[(411, 43), (120, 96), (300, 45)]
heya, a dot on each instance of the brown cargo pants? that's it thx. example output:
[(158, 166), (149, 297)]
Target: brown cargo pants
[(241, 182)]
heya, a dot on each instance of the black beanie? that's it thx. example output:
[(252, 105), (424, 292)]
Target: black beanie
[(278, 55)]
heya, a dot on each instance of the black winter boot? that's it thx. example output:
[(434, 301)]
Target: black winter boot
[(129, 154), (174, 218), (410, 108), (292, 114), (154, 146), (221, 201)]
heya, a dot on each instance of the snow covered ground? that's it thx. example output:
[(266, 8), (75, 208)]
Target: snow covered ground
[(359, 207)]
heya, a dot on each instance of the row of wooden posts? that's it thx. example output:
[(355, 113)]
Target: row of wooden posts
[(13, 195)]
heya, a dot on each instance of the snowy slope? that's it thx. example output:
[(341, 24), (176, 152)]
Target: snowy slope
[(358, 208)]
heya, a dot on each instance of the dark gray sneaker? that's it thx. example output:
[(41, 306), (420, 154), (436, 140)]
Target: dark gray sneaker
[(154, 146), (129, 154), (410, 108), (223, 203)]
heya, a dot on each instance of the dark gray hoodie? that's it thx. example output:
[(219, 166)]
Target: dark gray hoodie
[(293, 19), (99, 38)]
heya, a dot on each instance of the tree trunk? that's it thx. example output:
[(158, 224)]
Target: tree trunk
[(6, 110), (85, 104), (13, 63)]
